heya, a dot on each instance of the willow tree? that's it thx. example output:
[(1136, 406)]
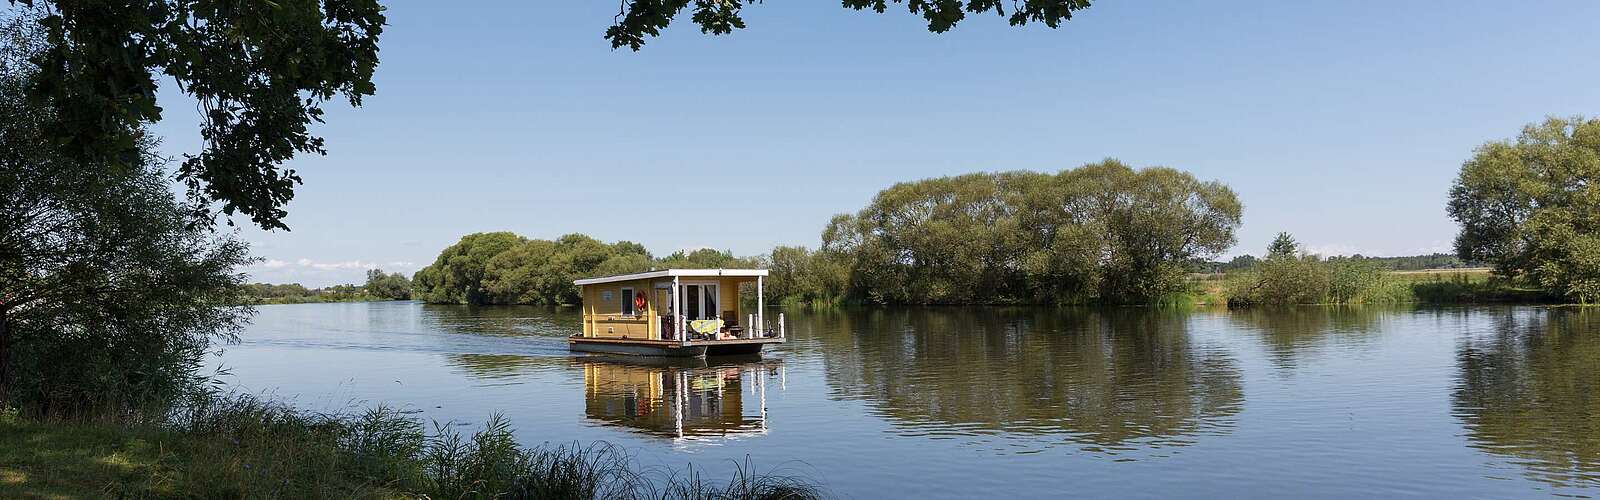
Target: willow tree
[(1531, 207), (1103, 232)]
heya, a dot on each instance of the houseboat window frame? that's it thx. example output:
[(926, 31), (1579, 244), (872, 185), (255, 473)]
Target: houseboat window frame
[(627, 309)]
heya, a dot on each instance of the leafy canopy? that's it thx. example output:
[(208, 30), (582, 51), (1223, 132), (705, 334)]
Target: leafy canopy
[(261, 72), (1103, 232), (639, 19), (1531, 207)]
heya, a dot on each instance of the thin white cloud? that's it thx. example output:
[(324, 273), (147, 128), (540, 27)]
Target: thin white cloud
[(313, 265), (351, 264), (311, 272), (1333, 249)]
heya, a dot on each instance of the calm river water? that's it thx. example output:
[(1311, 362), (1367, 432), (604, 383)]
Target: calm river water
[(1494, 402)]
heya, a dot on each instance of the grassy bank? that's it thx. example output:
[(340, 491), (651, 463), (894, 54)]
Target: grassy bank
[(1433, 286), (242, 447)]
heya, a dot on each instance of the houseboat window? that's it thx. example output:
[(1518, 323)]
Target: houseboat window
[(627, 302)]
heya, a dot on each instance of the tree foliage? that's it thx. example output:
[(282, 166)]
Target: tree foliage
[(640, 19), (1103, 232), (261, 72), (1531, 207), (108, 297), (387, 286), (802, 276), (503, 268)]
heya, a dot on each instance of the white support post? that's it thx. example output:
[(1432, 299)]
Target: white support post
[(781, 332), (750, 326), (761, 387), (681, 391), (677, 311), (761, 302)]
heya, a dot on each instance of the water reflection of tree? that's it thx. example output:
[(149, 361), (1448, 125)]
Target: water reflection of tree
[(544, 321), (1530, 390), (499, 366), (1289, 334), (1111, 377)]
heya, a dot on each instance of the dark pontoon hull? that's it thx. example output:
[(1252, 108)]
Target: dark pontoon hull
[(669, 348)]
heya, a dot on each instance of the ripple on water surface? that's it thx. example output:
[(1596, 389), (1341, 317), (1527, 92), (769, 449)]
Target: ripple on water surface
[(960, 402)]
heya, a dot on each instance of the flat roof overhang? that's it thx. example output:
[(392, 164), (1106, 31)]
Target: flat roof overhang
[(665, 273)]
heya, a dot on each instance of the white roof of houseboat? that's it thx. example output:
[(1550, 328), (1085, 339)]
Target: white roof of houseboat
[(699, 273)]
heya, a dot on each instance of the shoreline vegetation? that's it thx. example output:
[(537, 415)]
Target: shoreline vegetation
[(115, 287), (236, 446), (379, 286), (1101, 234)]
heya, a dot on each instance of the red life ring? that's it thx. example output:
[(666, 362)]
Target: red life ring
[(639, 303)]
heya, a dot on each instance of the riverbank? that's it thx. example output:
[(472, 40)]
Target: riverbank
[(1463, 286), (245, 447), (267, 301)]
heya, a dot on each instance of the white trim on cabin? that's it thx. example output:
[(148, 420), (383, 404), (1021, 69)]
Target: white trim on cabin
[(688, 273)]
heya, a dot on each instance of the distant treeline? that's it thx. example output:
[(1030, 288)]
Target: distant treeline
[(1406, 263), (379, 286), (1104, 232)]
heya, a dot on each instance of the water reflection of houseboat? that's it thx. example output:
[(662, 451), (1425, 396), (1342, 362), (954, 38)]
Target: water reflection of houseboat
[(680, 398)]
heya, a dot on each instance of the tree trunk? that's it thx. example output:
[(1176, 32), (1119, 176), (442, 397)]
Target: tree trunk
[(5, 358)]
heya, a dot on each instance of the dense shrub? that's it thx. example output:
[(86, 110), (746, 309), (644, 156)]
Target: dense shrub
[(110, 293), (1286, 276)]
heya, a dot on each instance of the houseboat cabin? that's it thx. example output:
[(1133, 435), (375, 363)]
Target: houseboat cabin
[(640, 314)]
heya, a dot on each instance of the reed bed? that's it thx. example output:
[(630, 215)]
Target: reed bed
[(240, 446)]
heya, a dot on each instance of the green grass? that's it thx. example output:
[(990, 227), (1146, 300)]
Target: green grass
[(243, 447), (56, 460)]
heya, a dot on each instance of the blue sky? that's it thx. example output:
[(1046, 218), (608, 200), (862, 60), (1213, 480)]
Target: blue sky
[(1340, 122)]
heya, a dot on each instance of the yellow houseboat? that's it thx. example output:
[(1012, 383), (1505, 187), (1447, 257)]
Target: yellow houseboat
[(639, 314)]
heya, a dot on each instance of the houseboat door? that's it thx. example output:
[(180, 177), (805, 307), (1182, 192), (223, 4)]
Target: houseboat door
[(700, 300)]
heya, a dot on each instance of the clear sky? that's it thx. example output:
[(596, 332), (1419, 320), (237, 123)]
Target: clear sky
[(1340, 122)]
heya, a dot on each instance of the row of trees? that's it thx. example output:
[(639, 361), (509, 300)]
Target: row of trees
[(504, 268), (379, 286), (1104, 232)]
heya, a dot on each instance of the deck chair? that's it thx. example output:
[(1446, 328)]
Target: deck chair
[(731, 321)]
